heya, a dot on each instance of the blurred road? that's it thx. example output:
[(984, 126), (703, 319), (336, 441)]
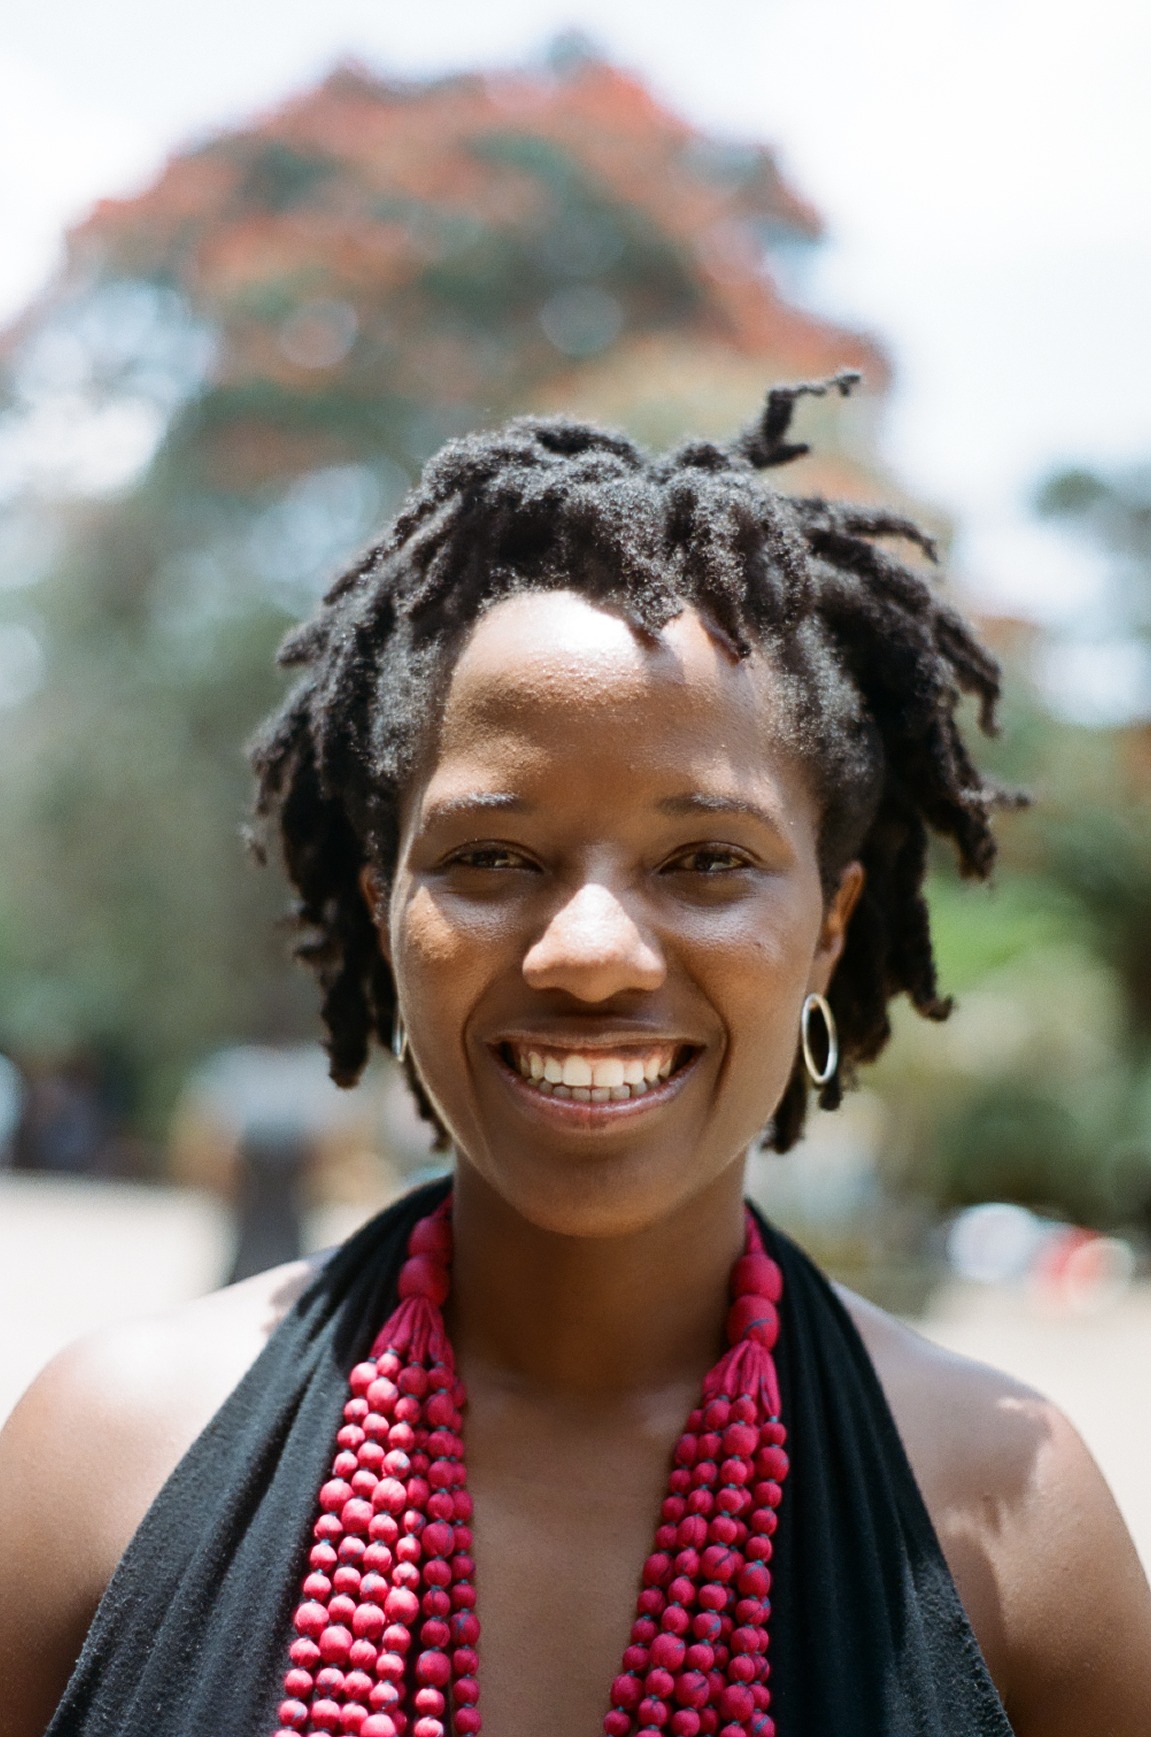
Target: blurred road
[(75, 1256)]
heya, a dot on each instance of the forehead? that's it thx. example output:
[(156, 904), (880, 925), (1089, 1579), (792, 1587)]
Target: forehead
[(557, 649), (547, 677)]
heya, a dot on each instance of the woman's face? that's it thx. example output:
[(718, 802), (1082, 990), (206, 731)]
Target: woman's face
[(607, 912)]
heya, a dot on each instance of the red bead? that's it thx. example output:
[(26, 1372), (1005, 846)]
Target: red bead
[(378, 1725), (757, 1274), (382, 1395), (743, 1668), (740, 1441), (716, 1415), (293, 1714), (434, 1668), (466, 1691), (753, 1318), (617, 1723), (328, 1527), (335, 1644), (311, 1619), (706, 1626), (436, 1635), (305, 1653), (626, 1690), (325, 1715), (667, 1652), (685, 1722), (353, 1716), (389, 1496), (334, 1494), (368, 1622), (429, 1700), (467, 1721), (755, 1580), (652, 1713), (432, 1236), (772, 1462), (402, 1605), (736, 1702), (440, 1411), (427, 1728), (675, 1619), (361, 1378), (390, 1665), (465, 1628), (692, 1689)]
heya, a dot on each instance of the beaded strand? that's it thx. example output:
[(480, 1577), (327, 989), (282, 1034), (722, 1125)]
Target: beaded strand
[(386, 1631)]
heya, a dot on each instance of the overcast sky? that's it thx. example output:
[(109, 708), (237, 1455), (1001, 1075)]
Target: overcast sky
[(984, 166)]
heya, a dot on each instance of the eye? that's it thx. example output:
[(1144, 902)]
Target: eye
[(708, 859), (489, 856)]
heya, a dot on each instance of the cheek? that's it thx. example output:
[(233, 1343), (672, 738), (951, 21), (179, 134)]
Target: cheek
[(442, 960)]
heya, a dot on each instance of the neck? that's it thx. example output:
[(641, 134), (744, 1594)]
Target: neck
[(584, 1316)]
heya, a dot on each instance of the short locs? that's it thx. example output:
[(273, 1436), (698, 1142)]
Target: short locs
[(873, 665)]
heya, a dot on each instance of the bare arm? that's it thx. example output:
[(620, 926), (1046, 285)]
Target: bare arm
[(84, 1455), (1042, 1560)]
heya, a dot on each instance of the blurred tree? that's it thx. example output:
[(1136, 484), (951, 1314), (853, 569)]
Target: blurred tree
[(228, 388)]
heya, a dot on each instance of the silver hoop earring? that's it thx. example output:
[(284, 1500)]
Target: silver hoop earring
[(820, 1076), (399, 1036)]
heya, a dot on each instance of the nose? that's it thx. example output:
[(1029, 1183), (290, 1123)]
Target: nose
[(593, 948)]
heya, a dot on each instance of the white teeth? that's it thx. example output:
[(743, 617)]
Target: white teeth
[(591, 1079)]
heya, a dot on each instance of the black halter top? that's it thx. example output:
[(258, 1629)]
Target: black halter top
[(868, 1637)]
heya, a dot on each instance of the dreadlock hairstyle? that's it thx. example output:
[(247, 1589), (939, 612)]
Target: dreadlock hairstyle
[(872, 666)]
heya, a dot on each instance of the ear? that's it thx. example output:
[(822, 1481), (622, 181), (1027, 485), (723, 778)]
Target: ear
[(373, 894), (833, 934)]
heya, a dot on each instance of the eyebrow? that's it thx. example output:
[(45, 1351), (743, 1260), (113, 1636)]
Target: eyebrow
[(698, 802), (475, 802)]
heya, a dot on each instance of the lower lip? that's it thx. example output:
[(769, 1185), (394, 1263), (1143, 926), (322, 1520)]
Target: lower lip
[(571, 1113)]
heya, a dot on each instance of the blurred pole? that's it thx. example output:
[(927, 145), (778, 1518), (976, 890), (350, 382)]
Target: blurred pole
[(269, 1201)]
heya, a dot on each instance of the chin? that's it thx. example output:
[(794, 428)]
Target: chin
[(604, 1200)]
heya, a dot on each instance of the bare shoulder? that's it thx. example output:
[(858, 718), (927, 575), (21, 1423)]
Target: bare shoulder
[(134, 1397), (1040, 1555)]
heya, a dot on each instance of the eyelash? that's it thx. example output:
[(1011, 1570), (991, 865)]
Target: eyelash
[(474, 856), (734, 860)]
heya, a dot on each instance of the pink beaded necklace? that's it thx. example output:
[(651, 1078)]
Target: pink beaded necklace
[(386, 1630)]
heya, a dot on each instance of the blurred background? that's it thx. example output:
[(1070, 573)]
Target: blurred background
[(259, 262)]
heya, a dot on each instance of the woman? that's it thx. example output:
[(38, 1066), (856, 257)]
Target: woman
[(606, 794)]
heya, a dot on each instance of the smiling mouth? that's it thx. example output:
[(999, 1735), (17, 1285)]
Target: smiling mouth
[(596, 1077)]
